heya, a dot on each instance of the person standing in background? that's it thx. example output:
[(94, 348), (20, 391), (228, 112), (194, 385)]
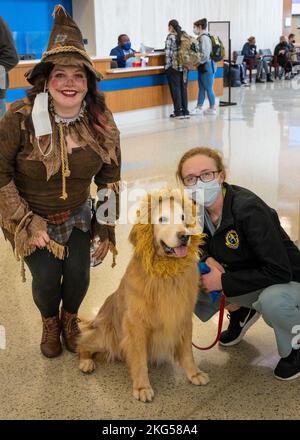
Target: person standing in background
[(206, 71), (8, 59), (123, 52), (174, 72)]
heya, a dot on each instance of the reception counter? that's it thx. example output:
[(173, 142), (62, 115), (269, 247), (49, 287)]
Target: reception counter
[(125, 89)]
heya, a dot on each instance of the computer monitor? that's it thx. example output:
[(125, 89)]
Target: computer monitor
[(146, 49), (239, 59)]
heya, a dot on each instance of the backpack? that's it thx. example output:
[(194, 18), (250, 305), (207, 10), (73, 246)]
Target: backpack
[(189, 55), (218, 50)]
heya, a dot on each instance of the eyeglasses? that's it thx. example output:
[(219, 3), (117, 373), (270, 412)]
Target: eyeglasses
[(205, 177)]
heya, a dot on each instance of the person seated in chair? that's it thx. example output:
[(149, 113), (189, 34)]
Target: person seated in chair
[(251, 56), (124, 53), (293, 51), (282, 52), (292, 42)]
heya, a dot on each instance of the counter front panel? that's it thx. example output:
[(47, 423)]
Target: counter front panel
[(124, 89)]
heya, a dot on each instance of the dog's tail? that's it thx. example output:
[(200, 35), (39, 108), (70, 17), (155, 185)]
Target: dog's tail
[(87, 340), (100, 335), (85, 324)]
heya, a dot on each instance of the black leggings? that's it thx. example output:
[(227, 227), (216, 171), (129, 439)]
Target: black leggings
[(55, 280), (178, 90)]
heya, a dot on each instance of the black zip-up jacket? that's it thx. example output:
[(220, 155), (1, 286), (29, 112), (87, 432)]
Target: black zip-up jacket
[(282, 58), (251, 245), (8, 54)]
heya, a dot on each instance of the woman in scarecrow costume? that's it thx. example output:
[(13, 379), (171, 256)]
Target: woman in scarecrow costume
[(53, 143)]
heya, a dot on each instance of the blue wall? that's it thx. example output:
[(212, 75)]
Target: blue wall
[(31, 22)]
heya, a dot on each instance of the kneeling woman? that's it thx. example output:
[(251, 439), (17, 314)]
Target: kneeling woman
[(252, 259)]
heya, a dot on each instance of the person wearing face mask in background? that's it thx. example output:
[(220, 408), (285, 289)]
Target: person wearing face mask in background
[(252, 259), (293, 54), (282, 52), (124, 52), (206, 71), (292, 42), (250, 53)]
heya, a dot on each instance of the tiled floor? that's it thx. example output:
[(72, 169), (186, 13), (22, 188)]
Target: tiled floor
[(260, 139)]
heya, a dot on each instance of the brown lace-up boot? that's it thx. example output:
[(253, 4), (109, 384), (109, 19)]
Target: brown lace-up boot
[(50, 344), (70, 329)]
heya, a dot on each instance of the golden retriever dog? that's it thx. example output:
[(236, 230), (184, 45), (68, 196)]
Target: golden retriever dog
[(148, 319)]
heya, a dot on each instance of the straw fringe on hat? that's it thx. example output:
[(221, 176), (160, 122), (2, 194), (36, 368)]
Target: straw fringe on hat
[(65, 47)]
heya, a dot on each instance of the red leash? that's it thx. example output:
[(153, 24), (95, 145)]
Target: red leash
[(221, 316)]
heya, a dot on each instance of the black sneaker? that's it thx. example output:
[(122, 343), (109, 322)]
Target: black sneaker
[(288, 368), (174, 116), (240, 321)]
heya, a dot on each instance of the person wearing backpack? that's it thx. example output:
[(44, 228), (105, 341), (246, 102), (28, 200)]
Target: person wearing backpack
[(176, 74), (206, 70)]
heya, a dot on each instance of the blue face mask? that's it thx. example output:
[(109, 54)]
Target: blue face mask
[(127, 46), (211, 191)]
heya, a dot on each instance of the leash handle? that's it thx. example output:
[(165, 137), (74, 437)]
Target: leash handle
[(204, 269), (214, 295)]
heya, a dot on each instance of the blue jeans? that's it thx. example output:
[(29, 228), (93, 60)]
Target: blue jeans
[(279, 306), (2, 107), (206, 84)]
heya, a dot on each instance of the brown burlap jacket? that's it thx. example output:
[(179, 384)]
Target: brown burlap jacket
[(30, 182)]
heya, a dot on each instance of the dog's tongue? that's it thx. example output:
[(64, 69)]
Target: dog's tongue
[(180, 251)]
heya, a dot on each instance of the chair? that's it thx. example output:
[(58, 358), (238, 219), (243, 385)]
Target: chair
[(281, 69), (276, 67), (235, 54), (27, 56), (266, 54), (271, 60), (113, 64), (295, 61)]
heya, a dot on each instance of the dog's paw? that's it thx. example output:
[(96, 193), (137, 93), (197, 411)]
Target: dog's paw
[(87, 365), (143, 394), (200, 378)]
